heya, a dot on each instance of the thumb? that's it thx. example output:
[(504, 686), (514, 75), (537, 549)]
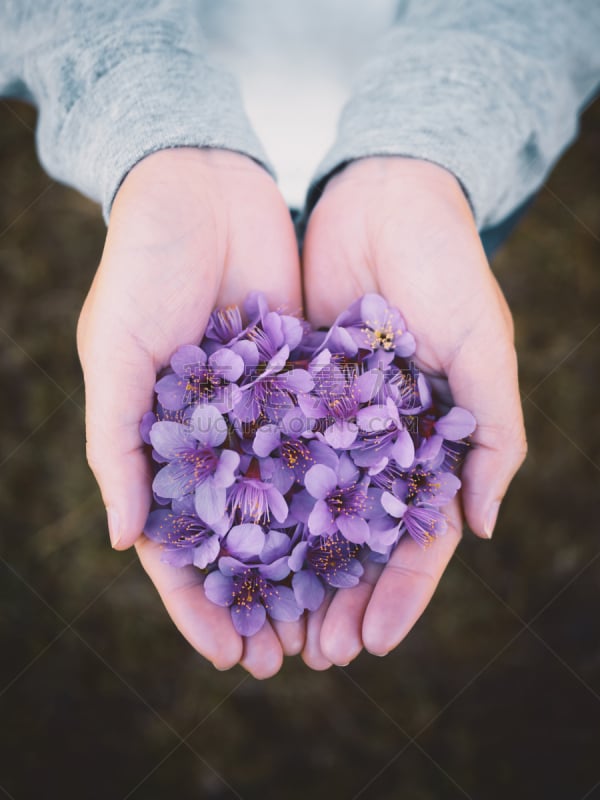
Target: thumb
[(119, 381), (483, 378)]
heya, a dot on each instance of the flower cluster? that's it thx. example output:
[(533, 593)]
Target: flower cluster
[(285, 456)]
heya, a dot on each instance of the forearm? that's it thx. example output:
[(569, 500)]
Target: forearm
[(114, 82), (491, 91)]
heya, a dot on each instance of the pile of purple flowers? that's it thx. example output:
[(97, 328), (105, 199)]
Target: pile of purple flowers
[(287, 456)]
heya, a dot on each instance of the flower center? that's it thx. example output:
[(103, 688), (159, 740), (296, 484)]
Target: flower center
[(333, 554), (203, 462), (249, 501), (186, 531), (351, 501), (381, 335), (247, 587), (296, 454), (227, 323)]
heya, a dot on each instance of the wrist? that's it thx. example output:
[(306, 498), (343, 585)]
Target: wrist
[(401, 178)]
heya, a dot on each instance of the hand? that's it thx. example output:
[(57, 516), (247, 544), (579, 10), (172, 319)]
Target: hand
[(403, 228), (189, 229)]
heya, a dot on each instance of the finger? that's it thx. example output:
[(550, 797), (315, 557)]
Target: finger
[(263, 655), (341, 635), (499, 441), (312, 655), (470, 340), (406, 586), (119, 390), (206, 626), (291, 635), (483, 378)]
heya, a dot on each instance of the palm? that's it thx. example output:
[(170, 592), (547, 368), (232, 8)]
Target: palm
[(189, 230), (377, 230)]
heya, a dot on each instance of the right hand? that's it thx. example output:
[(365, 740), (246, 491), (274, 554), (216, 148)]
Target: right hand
[(190, 229)]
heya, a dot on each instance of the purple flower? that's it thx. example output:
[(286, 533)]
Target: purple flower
[(197, 378), (384, 435), (253, 500), (454, 426), (253, 590), (371, 324), (286, 457), (337, 399), (342, 501), (271, 392), (225, 326), (294, 455), (409, 389), (323, 560), (194, 464), (185, 538), (424, 484), (424, 523)]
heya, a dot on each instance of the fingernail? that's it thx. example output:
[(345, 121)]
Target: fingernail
[(113, 526), (490, 520)]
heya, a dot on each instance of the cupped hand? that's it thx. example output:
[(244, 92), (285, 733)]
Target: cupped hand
[(189, 229), (403, 228)]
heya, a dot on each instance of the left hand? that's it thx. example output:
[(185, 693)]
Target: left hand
[(403, 228)]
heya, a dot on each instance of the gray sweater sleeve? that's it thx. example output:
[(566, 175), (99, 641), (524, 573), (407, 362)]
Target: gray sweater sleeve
[(491, 90), (115, 81)]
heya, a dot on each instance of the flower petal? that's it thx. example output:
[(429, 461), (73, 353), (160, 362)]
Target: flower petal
[(394, 507), (282, 604), (277, 544), (320, 481), (308, 590), (206, 552), (208, 426), (341, 435), (245, 541), (456, 424), (277, 504), (312, 407), (373, 310), (403, 450), (171, 391), (227, 364), (298, 380), (186, 359), (354, 529), (275, 571), (368, 384), (175, 479), (219, 588), (266, 439), (373, 419), (248, 351), (170, 439), (296, 560), (225, 472), (248, 619), (320, 520), (210, 502), (405, 344)]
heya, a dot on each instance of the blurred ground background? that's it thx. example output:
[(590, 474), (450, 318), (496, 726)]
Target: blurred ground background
[(496, 692)]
